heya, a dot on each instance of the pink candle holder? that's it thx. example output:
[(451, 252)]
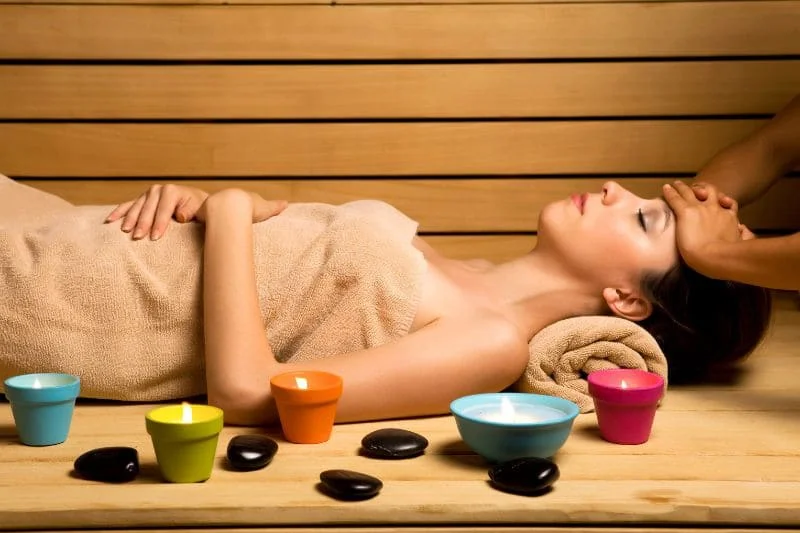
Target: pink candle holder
[(625, 401)]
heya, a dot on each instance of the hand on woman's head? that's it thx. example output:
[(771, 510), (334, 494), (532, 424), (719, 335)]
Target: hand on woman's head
[(702, 191), (702, 224)]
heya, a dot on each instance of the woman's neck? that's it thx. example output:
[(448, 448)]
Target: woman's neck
[(528, 277), (522, 287)]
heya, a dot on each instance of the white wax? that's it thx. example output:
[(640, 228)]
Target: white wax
[(515, 419), (520, 414)]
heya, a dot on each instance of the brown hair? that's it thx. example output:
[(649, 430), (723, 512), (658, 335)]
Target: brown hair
[(703, 323)]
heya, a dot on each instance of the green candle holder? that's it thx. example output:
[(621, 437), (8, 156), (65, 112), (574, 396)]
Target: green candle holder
[(185, 440)]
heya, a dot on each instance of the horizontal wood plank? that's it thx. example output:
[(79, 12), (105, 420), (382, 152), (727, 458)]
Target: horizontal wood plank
[(322, 2), (297, 32), (301, 503), (363, 149), (494, 248), (456, 529), (495, 205), (583, 467), (396, 91)]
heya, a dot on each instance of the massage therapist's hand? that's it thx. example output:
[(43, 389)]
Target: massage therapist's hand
[(150, 213), (702, 190), (703, 225)]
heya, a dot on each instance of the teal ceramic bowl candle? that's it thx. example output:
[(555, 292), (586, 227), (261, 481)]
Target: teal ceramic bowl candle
[(42, 406), (507, 425)]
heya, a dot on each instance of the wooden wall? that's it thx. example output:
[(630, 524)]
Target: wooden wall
[(469, 117)]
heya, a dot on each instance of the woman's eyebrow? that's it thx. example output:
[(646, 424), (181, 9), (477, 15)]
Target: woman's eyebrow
[(667, 215)]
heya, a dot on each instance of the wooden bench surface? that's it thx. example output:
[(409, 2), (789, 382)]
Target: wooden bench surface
[(719, 455)]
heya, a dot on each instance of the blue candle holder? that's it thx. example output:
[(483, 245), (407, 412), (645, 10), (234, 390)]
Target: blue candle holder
[(42, 405), (504, 426)]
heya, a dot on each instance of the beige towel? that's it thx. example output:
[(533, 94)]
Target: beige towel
[(564, 353), (79, 296)]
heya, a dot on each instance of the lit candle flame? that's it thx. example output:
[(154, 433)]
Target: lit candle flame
[(623, 384), (302, 383), (186, 413), (36, 384), (507, 413)]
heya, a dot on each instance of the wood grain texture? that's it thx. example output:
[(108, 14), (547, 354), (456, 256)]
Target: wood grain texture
[(493, 204), (396, 91), (364, 149), (300, 32), (472, 529), (718, 455)]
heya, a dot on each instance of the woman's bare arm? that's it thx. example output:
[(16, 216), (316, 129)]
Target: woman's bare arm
[(417, 375), (237, 354)]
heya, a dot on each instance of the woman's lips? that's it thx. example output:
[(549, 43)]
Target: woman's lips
[(580, 201)]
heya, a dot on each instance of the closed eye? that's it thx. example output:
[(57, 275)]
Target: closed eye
[(642, 221)]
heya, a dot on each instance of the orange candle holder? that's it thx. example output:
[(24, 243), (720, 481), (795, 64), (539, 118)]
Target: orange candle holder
[(306, 401)]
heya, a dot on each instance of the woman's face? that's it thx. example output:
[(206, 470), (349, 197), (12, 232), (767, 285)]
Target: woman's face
[(610, 237)]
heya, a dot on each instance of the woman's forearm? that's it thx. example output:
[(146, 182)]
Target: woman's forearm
[(238, 357)]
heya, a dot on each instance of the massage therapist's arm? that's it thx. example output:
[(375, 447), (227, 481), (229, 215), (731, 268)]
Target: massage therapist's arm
[(744, 171), (747, 169)]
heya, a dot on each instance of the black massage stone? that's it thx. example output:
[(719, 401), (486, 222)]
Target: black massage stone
[(114, 464), (529, 475), (392, 443), (349, 485), (251, 452)]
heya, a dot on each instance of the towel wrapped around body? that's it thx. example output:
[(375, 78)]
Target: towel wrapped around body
[(79, 296)]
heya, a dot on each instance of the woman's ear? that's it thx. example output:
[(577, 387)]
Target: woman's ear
[(627, 304)]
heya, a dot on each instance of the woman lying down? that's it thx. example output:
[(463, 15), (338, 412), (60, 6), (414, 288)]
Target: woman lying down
[(143, 308)]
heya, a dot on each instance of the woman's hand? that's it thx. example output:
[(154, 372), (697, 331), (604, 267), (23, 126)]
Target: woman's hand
[(264, 209), (151, 212), (261, 209), (703, 225)]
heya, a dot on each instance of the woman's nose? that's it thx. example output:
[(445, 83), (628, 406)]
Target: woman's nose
[(610, 192)]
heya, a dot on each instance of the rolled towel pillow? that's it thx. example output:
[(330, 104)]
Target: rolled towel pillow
[(564, 353)]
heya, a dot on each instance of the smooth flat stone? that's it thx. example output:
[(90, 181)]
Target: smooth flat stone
[(350, 485), (393, 443), (113, 464), (530, 475), (251, 452)]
